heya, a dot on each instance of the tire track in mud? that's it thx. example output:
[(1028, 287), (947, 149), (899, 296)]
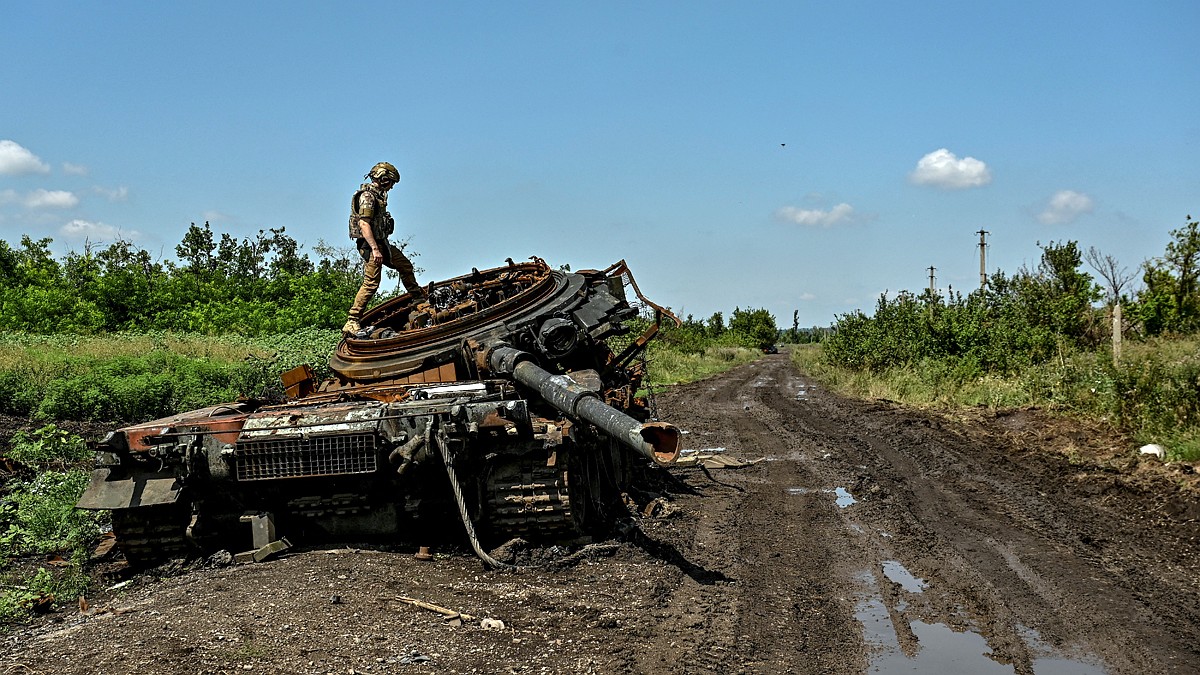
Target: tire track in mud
[(999, 547), (1004, 544), (787, 608)]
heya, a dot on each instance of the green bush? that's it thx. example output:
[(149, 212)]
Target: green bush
[(39, 516), (47, 446), (1012, 323), (18, 395)]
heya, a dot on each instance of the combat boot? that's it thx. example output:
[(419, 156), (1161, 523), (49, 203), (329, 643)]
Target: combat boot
[(351, 326)]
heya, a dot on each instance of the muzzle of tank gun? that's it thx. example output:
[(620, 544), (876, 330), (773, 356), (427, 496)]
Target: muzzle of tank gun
[(657, 441)]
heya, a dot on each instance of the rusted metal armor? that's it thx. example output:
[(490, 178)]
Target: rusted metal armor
[(493, 408)]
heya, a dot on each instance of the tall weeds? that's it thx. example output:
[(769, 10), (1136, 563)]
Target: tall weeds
[(1153, 392)]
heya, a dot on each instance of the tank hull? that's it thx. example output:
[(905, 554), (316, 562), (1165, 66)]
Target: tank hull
[(497, 403)]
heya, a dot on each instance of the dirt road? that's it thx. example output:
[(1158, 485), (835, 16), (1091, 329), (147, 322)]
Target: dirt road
[(869, 539)]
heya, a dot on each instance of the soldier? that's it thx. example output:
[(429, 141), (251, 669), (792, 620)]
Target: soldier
[(370, 225)]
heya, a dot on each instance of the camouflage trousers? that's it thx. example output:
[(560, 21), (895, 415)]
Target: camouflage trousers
[(394, 258)]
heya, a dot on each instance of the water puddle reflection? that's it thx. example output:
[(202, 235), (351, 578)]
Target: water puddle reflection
[(936, 648), (897, 573), (843, 499)]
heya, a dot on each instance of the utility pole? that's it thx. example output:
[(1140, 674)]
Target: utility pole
[(932, 290), (982, 257)]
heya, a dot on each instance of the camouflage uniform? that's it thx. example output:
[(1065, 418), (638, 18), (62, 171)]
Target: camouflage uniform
[(370, 203)]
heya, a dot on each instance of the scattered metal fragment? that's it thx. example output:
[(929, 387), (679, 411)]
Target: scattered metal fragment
[(265, 552)]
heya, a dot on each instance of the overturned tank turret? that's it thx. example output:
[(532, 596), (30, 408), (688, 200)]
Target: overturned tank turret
[(505, 399)]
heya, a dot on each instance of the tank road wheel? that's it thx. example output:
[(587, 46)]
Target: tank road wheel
[(148, 535)]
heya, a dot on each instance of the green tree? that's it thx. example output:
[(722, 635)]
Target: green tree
[(756, 327), (715, 326), (1169, 301)]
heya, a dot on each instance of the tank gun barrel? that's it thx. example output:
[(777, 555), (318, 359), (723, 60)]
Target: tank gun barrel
[(657, 441)]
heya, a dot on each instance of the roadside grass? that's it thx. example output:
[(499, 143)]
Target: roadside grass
[(1153, 392), (668, 366), (136, 377)]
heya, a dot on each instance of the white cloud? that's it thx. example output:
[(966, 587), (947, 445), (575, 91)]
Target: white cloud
[(807, 296), (50, 199), (74, 169), (40, 199), (15, 160), (816, 217), (114, 195), (215, 216), (1064, 207), (941, 168), (83, 229)]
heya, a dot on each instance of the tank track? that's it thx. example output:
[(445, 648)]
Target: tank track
[(152, 534), (528, 499)]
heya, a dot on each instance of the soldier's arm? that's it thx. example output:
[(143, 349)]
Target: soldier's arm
[(366, 207), (365, 227)]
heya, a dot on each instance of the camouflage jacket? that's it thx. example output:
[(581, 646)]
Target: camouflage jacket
[(370, 203)]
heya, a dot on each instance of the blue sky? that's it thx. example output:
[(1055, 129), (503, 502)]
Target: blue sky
[(793, 155)]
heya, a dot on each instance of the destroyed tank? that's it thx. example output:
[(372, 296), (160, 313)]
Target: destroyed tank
[(505, 399)]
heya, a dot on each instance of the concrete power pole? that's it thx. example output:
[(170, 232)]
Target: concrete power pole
[(932, 290), (982, 257)]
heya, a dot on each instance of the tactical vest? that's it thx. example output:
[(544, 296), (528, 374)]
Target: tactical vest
[(381, 221)]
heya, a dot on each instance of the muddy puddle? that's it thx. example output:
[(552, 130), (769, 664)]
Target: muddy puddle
[(842, 496), (900, 643)]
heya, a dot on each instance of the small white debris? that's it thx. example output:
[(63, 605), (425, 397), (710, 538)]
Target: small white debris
[(123, 584), (1153, 449), (491, 624)]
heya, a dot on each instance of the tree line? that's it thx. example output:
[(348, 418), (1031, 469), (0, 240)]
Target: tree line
[(1028, 317), (256, 285), (219, 285), (752, 328)]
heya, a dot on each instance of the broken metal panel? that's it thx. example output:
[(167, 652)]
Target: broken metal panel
[(110, 490), (299, 381)]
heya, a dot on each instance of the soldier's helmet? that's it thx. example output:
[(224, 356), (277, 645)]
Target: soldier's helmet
[(384, 171)]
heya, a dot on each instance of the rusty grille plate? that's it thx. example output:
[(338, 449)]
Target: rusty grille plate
[(299, 457)]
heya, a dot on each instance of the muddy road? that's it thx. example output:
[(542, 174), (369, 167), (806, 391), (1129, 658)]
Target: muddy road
[(867, 539)]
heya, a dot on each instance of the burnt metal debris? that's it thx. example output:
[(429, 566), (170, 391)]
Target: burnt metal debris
[(500, 399)]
